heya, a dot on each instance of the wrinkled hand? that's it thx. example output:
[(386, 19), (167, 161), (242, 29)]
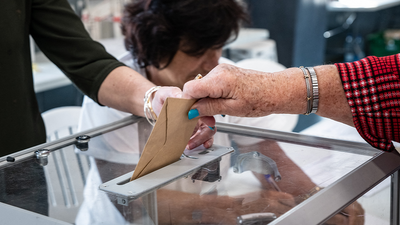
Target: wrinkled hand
[(231, 90), (202, 134)]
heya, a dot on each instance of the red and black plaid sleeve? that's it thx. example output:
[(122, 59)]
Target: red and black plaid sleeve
[(372, 87)]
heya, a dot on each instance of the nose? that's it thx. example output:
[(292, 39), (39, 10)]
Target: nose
[(211, 59)]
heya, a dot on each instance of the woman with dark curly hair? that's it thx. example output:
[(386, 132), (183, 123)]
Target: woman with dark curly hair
[(176, 40)]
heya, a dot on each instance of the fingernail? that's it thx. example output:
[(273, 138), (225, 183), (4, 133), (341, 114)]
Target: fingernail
[(222, 115), (212, 128), (193, 113)]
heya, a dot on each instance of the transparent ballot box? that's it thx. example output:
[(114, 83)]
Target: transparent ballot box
[(249, 176)]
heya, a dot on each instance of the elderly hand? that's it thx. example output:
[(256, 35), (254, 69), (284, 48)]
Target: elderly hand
[(205, 128), (231, 90)]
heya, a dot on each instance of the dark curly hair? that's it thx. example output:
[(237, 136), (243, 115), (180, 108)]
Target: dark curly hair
[(155, 29)]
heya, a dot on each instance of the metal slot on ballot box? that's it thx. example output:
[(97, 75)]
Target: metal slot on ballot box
[(126, 191)]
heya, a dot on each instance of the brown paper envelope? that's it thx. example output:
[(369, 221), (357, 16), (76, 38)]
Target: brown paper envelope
[(169, 137)]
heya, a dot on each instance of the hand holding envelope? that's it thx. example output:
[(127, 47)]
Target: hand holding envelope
[(169, 137)]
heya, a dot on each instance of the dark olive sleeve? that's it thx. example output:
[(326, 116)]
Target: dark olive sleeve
[(61, 35)]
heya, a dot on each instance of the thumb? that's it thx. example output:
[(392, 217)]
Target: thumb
[(210, 107), (196, 89)]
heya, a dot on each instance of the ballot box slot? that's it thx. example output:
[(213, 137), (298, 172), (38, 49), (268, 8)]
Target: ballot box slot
[(183, 168)]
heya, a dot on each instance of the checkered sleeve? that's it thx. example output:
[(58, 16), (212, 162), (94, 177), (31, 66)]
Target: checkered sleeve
[(372, 88)]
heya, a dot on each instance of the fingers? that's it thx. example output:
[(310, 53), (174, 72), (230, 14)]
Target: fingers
[(351, 215), (338, 219), (355, 213), (271, 201), (203, 136), (196, 89), (162, 94), (212, 106), (209, 143), (208, 120)]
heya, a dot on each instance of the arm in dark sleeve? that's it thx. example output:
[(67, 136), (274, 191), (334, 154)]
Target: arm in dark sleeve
[(372, 87), (61, 36)]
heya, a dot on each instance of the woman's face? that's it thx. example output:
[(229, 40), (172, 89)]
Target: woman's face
[(184, 67)]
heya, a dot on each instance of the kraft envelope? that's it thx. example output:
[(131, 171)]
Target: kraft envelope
[(169, 137)]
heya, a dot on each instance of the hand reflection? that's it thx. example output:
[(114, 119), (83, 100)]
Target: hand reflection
[(270, 201), (296, 184), (351, 215), (176, 207)]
